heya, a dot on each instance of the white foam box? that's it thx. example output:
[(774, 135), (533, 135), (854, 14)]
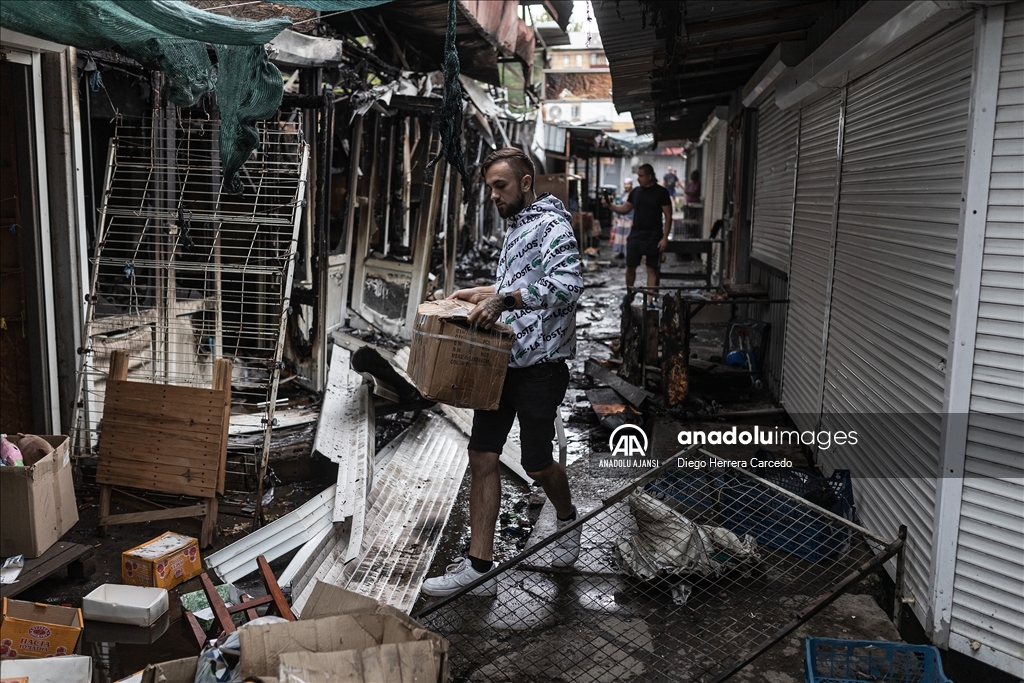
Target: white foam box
[(117, 604), (68, 669)]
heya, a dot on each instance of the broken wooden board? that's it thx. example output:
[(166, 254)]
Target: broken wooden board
[(611, 409), (511, 455), (74, 556), (410, 506), (712, 368), (635, 395), (284, 534), (742, 290)]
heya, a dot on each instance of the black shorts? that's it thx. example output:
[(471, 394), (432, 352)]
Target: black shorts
[(643, 244), (534, 394)]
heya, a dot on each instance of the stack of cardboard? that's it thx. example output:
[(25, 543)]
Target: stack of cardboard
[(344, 636)]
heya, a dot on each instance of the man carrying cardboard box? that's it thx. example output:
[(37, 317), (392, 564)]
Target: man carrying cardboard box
[(538, 282)]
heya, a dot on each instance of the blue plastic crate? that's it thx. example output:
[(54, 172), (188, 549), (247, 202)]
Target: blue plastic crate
[(694, 489), (778, 522), (744, 506), (854, 661)]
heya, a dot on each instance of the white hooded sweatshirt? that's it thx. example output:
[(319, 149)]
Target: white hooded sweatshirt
[(541, 259)]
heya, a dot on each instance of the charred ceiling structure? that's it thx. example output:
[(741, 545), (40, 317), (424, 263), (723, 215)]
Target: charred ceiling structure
[(342, 223), (672, 63)]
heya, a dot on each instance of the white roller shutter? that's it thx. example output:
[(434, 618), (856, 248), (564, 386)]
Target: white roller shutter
[(813, 232), (773, 183), (899, 212), (714, 197), (988, 588)]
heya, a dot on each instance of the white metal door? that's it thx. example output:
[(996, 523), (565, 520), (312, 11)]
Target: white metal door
[(904, 142), (337, 278), (811, 269), (987, 619), (773, 183)]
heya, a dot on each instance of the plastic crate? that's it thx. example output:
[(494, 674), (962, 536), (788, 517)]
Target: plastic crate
[(851, 661), (778, 522), (692, 489)]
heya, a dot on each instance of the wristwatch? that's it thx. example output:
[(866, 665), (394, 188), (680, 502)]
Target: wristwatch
[(509, 302)]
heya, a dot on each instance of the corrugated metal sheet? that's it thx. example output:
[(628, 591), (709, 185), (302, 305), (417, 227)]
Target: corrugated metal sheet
[(899, 213), (408, 511), (345, 435), (284, 534), (775, 174), (811, 269), (408, 508), (988, 589)]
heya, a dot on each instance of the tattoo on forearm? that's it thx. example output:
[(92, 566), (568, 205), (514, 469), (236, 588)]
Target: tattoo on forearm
[(494, 305)]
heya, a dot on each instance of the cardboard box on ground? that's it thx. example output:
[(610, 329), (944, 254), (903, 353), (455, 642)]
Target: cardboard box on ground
[(37, 503), (163, 562), (342, 636), (451, 362), (35, 630)]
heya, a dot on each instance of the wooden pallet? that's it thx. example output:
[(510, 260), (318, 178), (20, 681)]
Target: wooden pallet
[(76, 557)]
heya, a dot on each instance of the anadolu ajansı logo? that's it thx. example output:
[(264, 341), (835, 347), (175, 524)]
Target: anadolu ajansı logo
[(628, 441)]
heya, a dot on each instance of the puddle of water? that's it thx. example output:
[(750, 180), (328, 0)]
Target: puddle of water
[(119, 650)]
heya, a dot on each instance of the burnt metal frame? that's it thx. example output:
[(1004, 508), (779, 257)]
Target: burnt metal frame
[(690, 308)]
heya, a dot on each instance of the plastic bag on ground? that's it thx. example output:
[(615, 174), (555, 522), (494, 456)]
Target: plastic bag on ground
[(669, 544)]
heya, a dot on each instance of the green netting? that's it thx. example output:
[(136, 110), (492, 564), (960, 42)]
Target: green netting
[(255, 98), (171, 36), (451, 109), (335, 5), (99, 24)]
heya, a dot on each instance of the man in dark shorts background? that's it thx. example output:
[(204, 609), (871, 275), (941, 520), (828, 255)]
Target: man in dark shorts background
[(539, 278), (652, 221)]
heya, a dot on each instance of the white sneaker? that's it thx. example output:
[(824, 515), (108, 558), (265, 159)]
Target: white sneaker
[(458, 574), (566, 550)]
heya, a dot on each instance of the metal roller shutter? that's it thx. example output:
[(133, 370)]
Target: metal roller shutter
[(813, 233), (773, 183), (714, 204), (988, 588), (896, 244)]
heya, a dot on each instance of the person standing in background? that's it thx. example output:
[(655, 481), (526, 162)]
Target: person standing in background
[(692, 189), (621, 224), (670, 180), (652, 223)]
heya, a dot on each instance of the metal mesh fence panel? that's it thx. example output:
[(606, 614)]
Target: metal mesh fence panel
[(680, 576), (184, 272)]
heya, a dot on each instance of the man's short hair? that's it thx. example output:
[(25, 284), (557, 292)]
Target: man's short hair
[(517, 160), (646, 168)]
